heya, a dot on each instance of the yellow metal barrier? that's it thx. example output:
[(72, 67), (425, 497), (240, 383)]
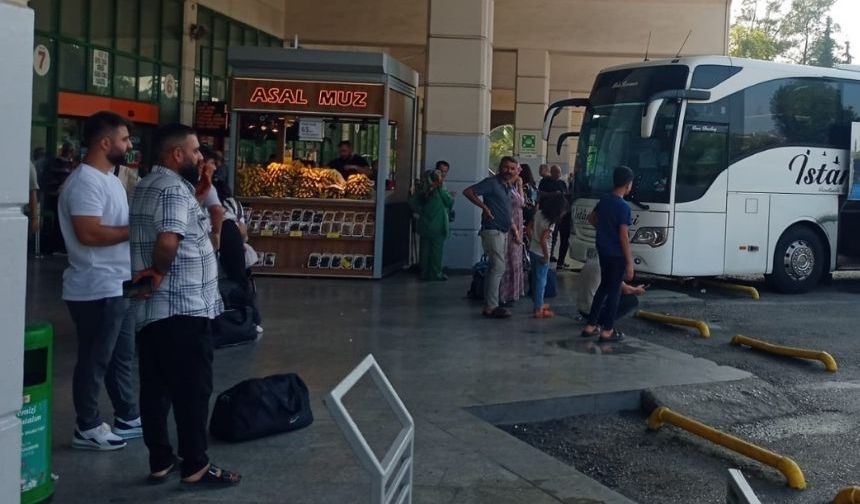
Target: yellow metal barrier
[(850, 495), (746, 289), (801, 353), (785, 465), (700, 325)]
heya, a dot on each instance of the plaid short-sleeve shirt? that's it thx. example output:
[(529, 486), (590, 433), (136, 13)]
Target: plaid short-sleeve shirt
[(164, 202)]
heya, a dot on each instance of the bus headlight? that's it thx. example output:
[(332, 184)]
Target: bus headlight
[(650, 236)]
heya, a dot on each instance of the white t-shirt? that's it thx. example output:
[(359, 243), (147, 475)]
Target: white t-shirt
[(539, 225), (93, 272), (589, 281), (211, 199)]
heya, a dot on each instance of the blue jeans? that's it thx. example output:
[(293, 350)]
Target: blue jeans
[(539, 272), (604, 306)]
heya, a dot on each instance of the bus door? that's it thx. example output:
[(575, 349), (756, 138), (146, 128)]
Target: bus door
[(701, 183)]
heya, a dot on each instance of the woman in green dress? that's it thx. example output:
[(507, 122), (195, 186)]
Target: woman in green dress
[(433, 203)]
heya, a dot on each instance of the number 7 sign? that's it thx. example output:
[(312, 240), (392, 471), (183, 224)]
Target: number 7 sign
[(41, 60)]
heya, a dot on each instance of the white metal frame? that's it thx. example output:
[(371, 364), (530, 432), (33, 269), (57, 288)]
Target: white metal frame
[(738, 491), (391, 478)]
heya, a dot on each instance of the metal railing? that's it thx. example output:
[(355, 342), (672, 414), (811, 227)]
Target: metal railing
[(391, 478)]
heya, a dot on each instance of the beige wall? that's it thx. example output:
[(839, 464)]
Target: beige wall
[(581, 36), (266, 15)]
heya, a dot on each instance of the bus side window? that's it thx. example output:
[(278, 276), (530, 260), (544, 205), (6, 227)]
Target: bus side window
[(703, 156)]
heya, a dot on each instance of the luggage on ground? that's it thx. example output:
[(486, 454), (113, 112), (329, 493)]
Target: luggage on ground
[(261, 407), (479, 273), (235, 326)]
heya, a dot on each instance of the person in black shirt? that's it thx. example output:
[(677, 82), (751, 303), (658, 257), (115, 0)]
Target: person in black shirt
[(348, 163), (550, 185)]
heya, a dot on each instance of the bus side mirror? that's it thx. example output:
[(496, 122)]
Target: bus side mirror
[(555, 108), (561, 138), (650, 117)]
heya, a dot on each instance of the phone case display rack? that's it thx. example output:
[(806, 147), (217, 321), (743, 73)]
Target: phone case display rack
[(312, 237)]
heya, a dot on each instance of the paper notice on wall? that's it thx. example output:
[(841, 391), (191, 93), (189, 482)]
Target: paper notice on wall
[(311, 130), (101, 65)]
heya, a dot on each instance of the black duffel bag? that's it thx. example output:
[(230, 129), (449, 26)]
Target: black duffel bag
[(261, 407)]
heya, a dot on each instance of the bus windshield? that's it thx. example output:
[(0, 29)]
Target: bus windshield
[(610, 134)]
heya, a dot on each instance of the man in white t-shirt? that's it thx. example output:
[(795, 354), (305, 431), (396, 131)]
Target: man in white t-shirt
[(93, 214), (589, 281)]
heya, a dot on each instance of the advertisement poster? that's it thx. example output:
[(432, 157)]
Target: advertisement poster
[(854, 188)]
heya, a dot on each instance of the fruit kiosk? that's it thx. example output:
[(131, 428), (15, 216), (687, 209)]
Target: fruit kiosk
[(313, 207)]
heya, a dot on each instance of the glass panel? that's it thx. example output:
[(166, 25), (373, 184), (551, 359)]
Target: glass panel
[(125, 77), (708, 76), (44, 93), (250, 37), (610, 137), (218, 90), (204, 88), (219, 62), (101, 22), (219, 33), (149, 30), (236, 36), (401, 144), (147, 81), (169, 97), (204, 18), (45, 14), (204, 60), (127, 25), (73, 18), (703, 156), (73, 67), (98, 80), (171, 34), (787, 111)]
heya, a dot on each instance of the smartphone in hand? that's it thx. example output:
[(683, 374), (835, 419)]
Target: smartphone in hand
[(137, 289)]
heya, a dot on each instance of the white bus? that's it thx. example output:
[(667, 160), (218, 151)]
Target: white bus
[(741, 167)]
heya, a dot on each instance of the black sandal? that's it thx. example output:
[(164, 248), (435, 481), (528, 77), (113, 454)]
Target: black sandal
[(616, 337), (498, 313), (152, 479), (213, 478)]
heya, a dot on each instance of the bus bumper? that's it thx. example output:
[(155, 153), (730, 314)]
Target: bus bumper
[(647, 259)]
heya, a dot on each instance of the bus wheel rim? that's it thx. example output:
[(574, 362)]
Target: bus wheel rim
[(799, 260)]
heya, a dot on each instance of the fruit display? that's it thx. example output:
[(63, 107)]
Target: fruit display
[(358, 186), (295, 180)]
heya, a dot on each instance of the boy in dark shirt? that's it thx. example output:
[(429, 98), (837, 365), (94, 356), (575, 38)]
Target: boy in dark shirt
[(612, 218)]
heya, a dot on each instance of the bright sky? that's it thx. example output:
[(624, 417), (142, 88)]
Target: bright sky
[(846, 13)]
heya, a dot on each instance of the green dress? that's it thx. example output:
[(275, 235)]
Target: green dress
[(433, 208)]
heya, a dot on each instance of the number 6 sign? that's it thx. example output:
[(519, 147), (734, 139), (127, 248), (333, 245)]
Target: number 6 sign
[(41, 60)]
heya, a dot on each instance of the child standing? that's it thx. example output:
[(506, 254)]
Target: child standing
[(612, 218), (550, 211)]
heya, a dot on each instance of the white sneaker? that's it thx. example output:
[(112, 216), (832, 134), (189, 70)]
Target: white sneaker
[(259, 329), (127, 429), (99, 438)]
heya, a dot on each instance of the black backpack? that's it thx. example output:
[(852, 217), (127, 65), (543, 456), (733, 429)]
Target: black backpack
[(235, 326), (479, 272), (261, 407)]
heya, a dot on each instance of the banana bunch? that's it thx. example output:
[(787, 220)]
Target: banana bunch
[(251, 181), (358, 186)]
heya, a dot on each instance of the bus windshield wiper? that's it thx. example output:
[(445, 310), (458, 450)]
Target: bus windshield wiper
[(635, 201)]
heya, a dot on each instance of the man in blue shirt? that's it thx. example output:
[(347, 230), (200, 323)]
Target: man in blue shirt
[(612, 218), (495, 228)]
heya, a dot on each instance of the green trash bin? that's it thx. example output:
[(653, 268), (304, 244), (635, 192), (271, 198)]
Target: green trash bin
[(35, 415)]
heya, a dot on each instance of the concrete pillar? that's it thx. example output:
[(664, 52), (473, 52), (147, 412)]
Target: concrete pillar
[(532, 96), (16, 81), (457, 110), (189, 57)]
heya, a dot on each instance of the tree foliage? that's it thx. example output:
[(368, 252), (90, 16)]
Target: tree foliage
[(800, 31)]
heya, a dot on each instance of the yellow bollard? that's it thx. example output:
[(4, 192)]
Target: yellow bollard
[(785, 465), (801, 353), (850, 495), (700, 325), (746, 289)]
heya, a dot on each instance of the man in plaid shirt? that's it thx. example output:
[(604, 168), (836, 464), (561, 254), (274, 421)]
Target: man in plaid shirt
[(170, 246)]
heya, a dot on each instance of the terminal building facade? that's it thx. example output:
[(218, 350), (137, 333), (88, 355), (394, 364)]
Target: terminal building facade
[(486, 67)]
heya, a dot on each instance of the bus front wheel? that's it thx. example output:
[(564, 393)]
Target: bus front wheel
[(798, 261)]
